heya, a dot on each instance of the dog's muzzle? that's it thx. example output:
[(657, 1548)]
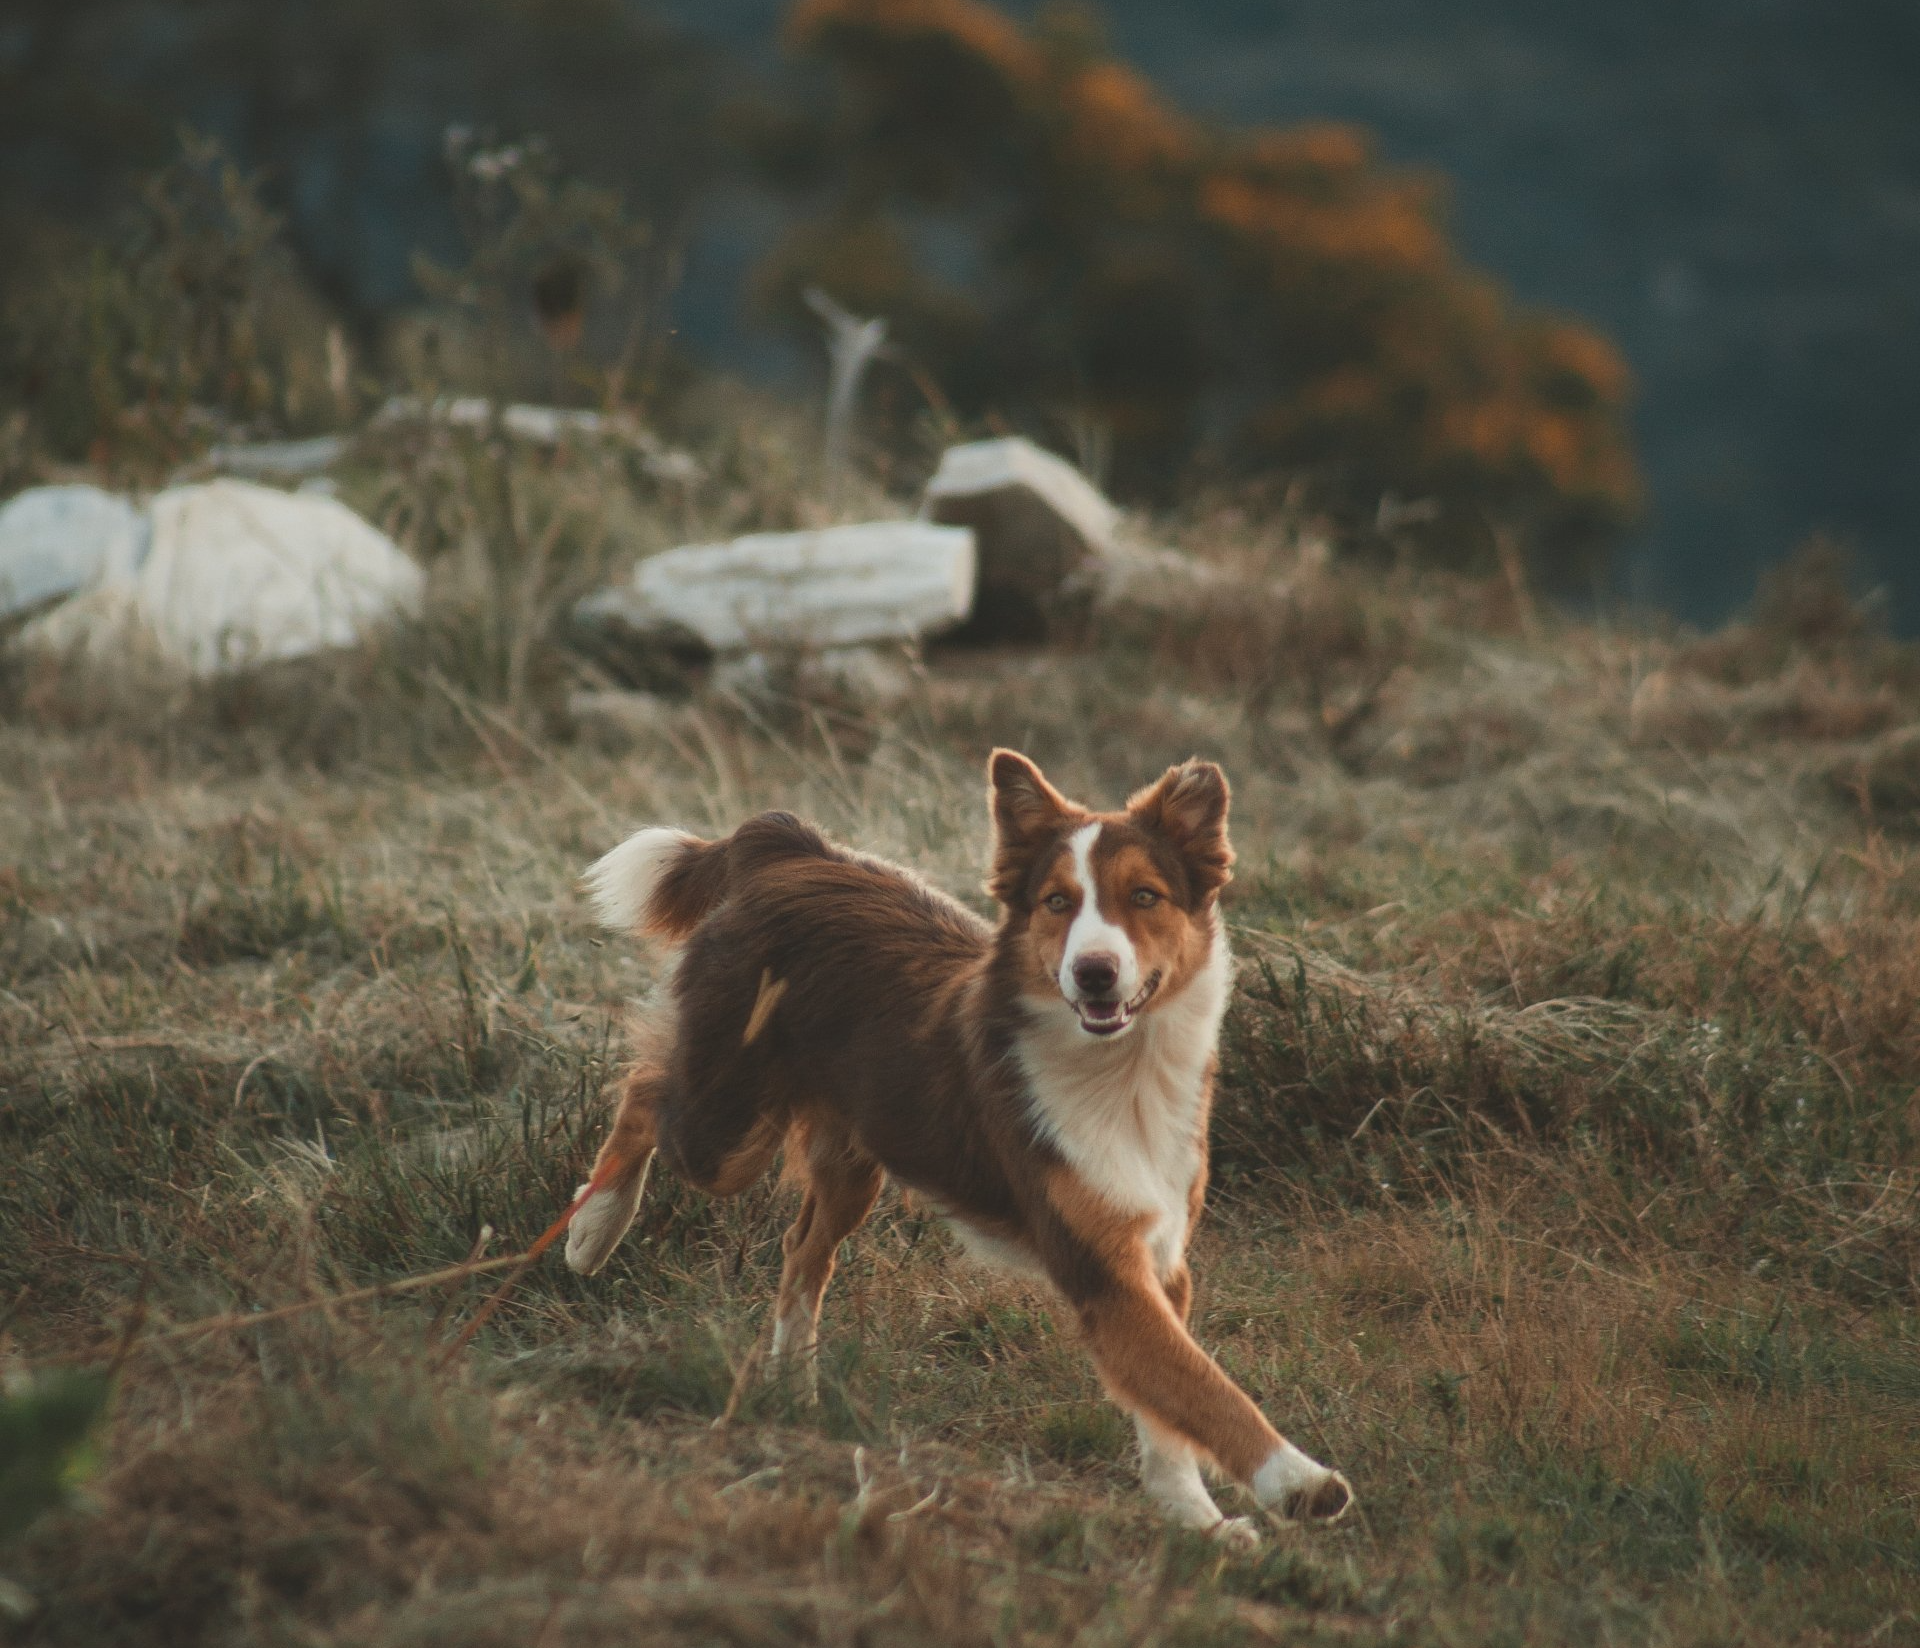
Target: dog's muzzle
[(1108, 1017)]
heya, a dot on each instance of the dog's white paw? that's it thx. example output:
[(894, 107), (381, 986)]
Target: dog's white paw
[(1327, 1500), (1237, 1533), (1300, 1489)]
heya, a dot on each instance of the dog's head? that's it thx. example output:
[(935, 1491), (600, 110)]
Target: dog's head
[(1112, 913)]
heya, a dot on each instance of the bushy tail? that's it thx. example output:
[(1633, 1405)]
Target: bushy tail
[(659, 881), (663, 881)]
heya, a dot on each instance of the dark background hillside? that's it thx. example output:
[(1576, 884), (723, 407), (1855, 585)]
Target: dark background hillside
[(1730, 188)]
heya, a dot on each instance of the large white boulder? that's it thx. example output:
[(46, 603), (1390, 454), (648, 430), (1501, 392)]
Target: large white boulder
[(840, 586), (1038, 524), (237, 575), (56, 540)]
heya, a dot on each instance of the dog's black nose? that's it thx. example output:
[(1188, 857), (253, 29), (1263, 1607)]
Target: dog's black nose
[(1096, 972)]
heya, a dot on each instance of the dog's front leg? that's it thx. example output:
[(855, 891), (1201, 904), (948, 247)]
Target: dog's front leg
[(1170, 1464), (1170, 1475), (1153, 1368)]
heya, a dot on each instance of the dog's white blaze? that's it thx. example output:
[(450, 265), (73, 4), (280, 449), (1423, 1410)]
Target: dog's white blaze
[(1125, 1113), (621, 884), (1092, 929)]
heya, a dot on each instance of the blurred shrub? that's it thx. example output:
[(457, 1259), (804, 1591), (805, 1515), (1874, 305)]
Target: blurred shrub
[(341, 107), (1049, 238), (563, 287), (187, 323), (1808, 606), (1810, 661)]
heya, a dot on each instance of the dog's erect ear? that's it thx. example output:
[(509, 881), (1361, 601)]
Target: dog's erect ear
[(1188, 806), (1027, 810), (1025, 805)]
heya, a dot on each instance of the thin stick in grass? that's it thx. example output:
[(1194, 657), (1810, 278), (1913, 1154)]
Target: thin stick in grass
[(522, 1264), (379, 1290)]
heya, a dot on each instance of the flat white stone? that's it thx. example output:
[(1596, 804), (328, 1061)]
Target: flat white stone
[(840, 586), (237, 575), (58, 540)]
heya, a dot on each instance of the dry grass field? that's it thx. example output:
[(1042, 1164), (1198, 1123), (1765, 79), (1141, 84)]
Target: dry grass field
[(1567, 1149)]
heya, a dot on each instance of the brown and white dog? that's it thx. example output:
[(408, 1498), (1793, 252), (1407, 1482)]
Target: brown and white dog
[(1044, 1082)]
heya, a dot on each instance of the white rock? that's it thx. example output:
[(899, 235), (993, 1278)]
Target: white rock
[(1036, 519), (461, 411), (236, 575), (56, 540), (668, 464), (547, 426), (982, 467), (840, 586), (543, 425), (285, 458), (550, 425)]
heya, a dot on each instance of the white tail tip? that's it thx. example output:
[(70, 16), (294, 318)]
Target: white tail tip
[(621, 884)]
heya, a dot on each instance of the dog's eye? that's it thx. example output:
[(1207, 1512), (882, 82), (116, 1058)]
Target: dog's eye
[(1145, 897), (1057, 902)]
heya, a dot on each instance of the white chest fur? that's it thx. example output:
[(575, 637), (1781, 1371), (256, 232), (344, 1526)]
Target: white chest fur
[(1126, 1113)]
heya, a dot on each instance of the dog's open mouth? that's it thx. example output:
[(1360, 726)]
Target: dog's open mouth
[(1110, 1017)]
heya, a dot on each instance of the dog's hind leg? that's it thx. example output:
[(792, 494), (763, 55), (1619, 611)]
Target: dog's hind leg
[(842, 1186), (619, 1174)]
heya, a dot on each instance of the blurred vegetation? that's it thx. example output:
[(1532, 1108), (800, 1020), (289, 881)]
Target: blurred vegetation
[(44, 1428), (563, 289), (342, 105), (1052, 241), (1054, 247), (188, 323)]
